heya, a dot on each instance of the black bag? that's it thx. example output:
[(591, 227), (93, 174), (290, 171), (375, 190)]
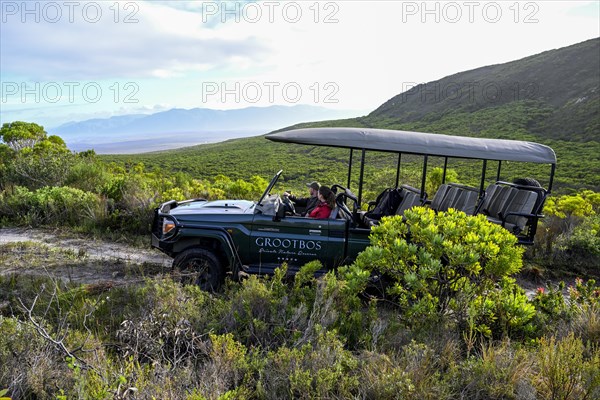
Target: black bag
[(386, 203)]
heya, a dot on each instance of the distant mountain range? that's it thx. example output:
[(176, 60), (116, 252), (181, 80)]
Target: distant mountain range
[(177, 127)]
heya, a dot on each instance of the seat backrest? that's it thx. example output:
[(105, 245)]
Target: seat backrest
[(467, 201), (449, 199), (439, 196), (334, 213), (523, 202), (488, 195), (409, 200), (500, 198)]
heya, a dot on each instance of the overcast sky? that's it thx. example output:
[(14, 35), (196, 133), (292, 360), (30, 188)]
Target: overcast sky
[(72, 60)]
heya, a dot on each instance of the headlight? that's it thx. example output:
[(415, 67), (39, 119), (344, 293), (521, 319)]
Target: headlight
[(167, 227)]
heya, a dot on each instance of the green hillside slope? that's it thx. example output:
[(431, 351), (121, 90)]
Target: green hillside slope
[(558, 104), (565, 83)]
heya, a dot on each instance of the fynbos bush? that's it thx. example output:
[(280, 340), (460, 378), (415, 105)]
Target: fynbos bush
[(448, 264)]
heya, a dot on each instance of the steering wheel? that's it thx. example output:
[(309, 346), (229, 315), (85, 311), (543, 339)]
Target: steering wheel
[(288, 206)]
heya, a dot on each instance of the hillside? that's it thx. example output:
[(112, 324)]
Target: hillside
[(564, 83), (558, 105)]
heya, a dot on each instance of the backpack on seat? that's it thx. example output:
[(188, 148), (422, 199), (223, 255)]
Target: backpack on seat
[(386, 204)]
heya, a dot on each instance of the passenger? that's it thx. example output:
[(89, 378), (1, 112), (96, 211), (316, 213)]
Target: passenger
[(326, 204), (309, 203)]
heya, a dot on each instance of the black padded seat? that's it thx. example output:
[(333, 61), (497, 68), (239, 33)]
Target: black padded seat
[(466, 200), (514, 214), (409, 200), (436, 202)]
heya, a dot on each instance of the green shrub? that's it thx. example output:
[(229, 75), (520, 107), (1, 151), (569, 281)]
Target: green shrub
[(434, 179), (57, 206), (383, 377), (320, 369), (229, 367), (570, 232), (29, 367), (581, 248), (439, 263), (164, 324), (500, 372), (564, 373), (504, 311), (265, 312), (585, 310), (87, 174)]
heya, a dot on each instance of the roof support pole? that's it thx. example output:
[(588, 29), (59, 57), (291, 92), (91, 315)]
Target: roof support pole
[(445, 167), (482, 184), (499, 168), (360, 179), (398, 170), (423, 178), (350, 168), (551, 178)]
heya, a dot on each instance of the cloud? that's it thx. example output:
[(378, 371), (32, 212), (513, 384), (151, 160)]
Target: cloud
[(141, 41), (369, 50)]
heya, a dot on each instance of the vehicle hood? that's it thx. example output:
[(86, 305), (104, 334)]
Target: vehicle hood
[(214, 207)]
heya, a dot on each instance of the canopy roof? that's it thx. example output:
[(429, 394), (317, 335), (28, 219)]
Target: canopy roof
[(419, 143)]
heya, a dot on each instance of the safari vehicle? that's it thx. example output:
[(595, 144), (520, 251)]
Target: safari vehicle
[(209, 239)]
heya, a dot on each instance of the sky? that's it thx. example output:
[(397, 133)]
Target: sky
[(64, 61)]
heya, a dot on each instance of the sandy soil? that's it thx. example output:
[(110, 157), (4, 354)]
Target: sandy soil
[(88, 261)]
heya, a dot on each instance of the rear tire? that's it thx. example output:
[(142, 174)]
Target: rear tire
[(199, 267)]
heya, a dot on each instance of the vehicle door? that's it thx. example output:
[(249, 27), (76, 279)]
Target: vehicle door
[(293, 240)]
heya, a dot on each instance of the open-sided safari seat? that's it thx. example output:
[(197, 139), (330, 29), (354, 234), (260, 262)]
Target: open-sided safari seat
[(515, 207), (456, 196), (392, 202), (410, 197)]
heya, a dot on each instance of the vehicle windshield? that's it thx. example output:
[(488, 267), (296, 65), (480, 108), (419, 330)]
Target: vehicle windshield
[(268, 189)]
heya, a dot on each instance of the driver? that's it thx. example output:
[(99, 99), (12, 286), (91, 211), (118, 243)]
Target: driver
[(308, 202)]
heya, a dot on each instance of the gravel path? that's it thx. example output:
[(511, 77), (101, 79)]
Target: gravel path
[(96, 250), (92, 261)]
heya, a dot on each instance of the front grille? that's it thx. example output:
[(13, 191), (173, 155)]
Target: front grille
[(157, 224)]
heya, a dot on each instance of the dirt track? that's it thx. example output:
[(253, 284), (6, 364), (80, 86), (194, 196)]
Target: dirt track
[(85, 260)]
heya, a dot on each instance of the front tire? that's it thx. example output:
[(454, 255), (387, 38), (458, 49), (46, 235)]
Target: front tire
[(199, 267)]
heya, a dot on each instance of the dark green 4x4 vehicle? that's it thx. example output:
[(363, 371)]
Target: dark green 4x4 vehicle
[(210, 239)]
